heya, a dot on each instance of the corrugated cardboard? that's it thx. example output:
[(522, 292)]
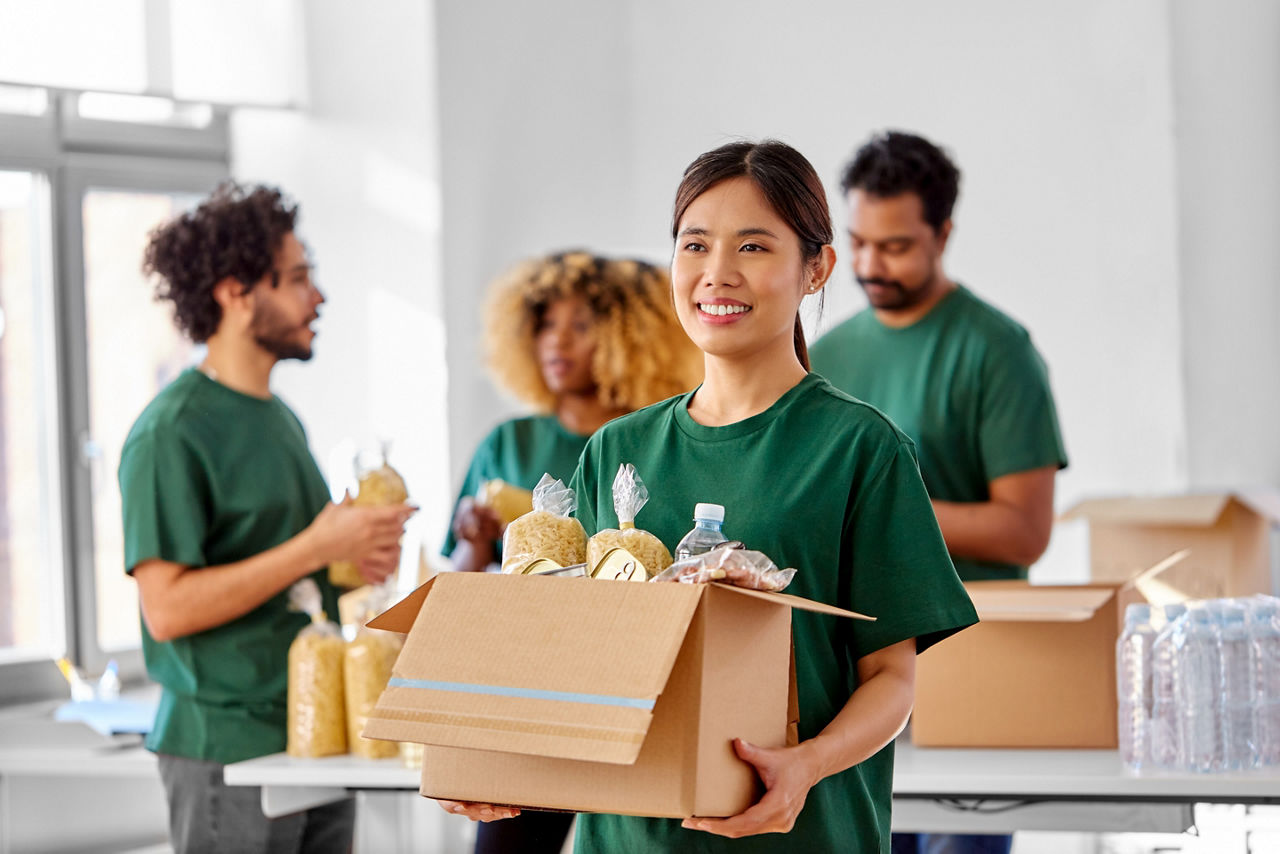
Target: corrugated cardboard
[(1229, 536), (589, 695), (1037, 671)]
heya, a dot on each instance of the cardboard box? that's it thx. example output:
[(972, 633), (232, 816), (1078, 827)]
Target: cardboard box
[(1039, 669), (588, 695), (1230, 536)]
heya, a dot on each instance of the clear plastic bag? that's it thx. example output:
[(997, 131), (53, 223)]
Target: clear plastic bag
[(367, 664), (379, 485), (730, 564), (629, 496), (317, 720), (547, 531)]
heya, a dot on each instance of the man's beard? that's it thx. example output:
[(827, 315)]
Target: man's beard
[(272, 333), (898, 298)]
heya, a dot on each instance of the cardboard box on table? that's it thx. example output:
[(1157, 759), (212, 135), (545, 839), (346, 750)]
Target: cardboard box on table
[(588, 695), (1039, 669), (1231, 537)]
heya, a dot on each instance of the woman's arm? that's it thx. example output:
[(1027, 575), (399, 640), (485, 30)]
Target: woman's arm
[(874, 715)]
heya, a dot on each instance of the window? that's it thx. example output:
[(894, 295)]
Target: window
[(83, 348)]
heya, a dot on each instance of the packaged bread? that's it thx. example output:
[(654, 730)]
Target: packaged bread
[(316, 715), (547, 531), (629, 495), (506, 501), (367, 664), (378, 485)]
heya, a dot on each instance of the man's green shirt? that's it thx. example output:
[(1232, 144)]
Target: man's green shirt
[(822, 483), (966, 384), (209, 476), (520, 452)]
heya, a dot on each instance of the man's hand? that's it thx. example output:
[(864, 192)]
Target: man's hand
[(370, 536), (788, 773), (478, 812), (476, 523)]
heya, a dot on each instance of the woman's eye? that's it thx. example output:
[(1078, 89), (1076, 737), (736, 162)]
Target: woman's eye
[(752, 247)]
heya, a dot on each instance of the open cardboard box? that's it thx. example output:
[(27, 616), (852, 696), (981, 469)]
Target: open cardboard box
[(1231, 536), (1039, 669), (588, 695)]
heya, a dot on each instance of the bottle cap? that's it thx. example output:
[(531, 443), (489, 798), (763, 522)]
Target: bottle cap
[(1138, 612), (708, 513)]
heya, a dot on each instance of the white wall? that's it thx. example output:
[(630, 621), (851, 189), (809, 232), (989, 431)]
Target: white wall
[(573, 123), (361, 159)]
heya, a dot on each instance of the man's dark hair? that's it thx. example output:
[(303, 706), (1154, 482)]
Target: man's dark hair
[(893, 163), (234, 233)]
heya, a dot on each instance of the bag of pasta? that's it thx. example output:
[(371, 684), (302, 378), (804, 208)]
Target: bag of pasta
[(546, 531), (378, 485), (317, 719), (506, 501), (730, 564), (629, 495), (366, 669)]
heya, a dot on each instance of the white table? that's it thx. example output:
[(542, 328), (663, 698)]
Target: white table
[(939, 790)]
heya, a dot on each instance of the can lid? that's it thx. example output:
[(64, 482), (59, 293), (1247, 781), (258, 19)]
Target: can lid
[(708, 512)]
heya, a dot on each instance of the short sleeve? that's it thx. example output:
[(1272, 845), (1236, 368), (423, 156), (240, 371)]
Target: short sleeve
[(165, 500), (902, 574), (585, 483), (1018, 422), (477, 474)]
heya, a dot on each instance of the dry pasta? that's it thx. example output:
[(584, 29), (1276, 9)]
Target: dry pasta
[(542, 534), (317, 707), (366, 671), (644, 546), (377, 487), (507, 501)]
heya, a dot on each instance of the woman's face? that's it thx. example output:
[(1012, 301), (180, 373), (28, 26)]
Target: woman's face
[(737, 274), (564, 344)]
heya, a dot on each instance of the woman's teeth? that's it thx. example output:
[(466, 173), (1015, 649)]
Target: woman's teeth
[(722, 310)]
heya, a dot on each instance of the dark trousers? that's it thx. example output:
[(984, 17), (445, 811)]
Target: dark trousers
[(947, 843), (207, 815), (531, 832)]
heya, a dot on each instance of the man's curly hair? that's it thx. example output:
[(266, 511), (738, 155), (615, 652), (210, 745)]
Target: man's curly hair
[(235, 232), (643, 354)]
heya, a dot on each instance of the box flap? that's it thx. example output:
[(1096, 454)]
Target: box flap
[(798, 602), (1263, 500), (401, 616), (560, 667), (1195, 510), (1002, 601)]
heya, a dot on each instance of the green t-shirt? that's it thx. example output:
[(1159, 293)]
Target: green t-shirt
[(966, 384), (822, 483), (209, 476), (521, 451)]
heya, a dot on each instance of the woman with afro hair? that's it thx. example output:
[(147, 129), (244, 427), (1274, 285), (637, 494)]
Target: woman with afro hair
[(581, 340)]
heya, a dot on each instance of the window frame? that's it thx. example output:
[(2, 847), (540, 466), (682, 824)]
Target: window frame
[(76, 156)]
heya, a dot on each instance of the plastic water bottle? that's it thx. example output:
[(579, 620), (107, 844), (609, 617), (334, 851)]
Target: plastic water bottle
[(1133, 685), (1163, 730), (706, 535), (1238, 688), (1264, 636), (1198, 689)]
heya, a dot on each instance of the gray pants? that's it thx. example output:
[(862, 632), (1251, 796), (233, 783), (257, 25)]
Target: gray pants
[(207, 815)]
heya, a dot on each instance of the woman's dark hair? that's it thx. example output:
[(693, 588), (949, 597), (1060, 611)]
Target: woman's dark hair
[(788, 182), (893, 163), (236, 233)]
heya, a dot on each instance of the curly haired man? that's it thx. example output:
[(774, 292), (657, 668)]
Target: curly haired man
[(224, 509)]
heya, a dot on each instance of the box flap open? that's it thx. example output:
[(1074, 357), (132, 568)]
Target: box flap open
[(401, 616), (798, 602), (1193, 510), (1265, 501), (572, 671), (1000, 601)]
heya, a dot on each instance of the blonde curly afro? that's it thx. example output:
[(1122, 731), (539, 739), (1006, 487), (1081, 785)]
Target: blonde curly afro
[(643, 354)]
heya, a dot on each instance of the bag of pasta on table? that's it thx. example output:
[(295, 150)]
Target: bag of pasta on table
[(730, 564), (548, 531), (317, 718), (629, 495), (366, 670)]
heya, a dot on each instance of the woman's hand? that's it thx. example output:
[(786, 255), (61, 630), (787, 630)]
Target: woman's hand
[(476, 523), (788, 773), (478, 812)]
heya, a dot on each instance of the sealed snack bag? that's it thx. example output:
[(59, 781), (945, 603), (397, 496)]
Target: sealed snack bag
[(629, 495), (730, 564), (507, 501), (366, 669), (546, 531), (317, 706), (379, 484)]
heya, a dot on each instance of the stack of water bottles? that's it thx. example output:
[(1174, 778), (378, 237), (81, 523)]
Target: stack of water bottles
[(1198, 686)]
